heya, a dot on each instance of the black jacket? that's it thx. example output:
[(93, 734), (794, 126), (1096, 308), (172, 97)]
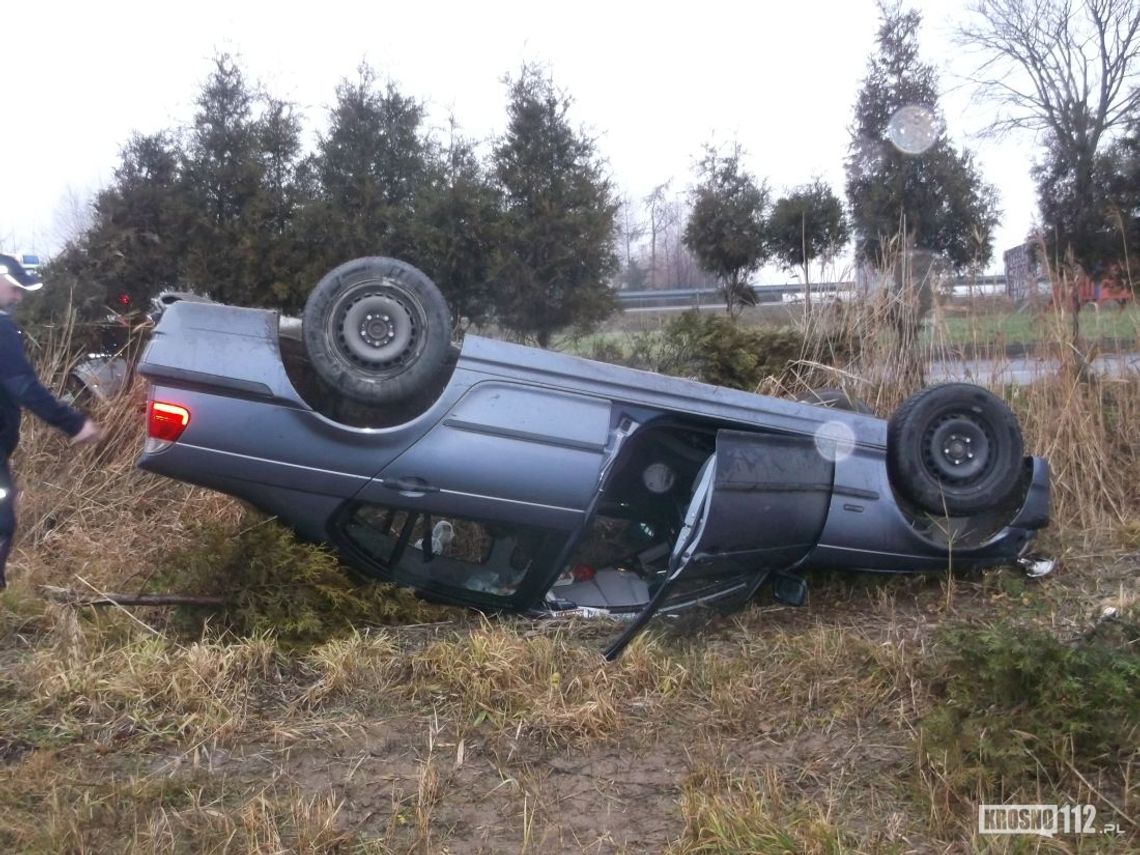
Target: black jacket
[(21, 389)]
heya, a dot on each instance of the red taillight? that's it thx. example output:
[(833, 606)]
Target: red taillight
[(166, 421), (582, 572)]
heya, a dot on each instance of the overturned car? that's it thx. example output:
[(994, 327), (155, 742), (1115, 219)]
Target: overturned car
[(500, 476)]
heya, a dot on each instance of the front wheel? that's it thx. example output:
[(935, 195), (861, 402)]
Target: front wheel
[(377, 330), (954, 449)]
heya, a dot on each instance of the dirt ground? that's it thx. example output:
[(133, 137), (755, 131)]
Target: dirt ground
[(819, 754)]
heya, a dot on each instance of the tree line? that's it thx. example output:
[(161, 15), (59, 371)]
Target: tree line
[(233, 206), (531, 234)]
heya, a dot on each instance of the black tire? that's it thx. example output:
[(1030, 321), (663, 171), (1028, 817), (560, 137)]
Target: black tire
[(377, 330), (954, 449), (835, 399)]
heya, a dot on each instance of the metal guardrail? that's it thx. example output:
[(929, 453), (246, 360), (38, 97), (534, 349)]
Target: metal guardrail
[(696, 297)]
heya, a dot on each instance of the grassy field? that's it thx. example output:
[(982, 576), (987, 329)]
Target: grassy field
[(987, 324), (313, 716), (960, 326)]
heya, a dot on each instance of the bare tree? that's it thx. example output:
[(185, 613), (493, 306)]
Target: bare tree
[(1068, 68), (662, 214), (630, 232), (72, 218)]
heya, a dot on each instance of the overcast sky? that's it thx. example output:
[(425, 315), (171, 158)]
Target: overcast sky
[(652, 82)]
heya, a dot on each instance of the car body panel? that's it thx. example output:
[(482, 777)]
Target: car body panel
[(229, 348), (499, 444)]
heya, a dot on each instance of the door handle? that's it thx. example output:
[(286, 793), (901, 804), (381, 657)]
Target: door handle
[(409, 486)]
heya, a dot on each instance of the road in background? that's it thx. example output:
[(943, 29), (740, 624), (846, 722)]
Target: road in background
[(1024, 370)]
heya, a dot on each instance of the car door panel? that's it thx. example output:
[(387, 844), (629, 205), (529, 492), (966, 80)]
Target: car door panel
[(769, 499), (758, 506), (510, 451)]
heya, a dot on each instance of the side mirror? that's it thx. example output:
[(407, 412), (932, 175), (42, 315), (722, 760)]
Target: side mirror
[(788, 589)]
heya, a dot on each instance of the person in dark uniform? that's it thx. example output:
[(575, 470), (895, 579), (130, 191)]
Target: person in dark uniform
[(20, 389)]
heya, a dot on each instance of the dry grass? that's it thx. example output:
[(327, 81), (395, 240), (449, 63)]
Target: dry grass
[(1086, 425), (89, 512), (726, 812), (53, 806), (146, 689), (774, 730)]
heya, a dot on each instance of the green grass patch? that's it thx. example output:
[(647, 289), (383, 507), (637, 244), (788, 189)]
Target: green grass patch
[(1027, 327)]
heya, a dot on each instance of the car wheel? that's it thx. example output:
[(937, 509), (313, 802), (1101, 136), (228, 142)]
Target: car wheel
[(835, 399), (954, 449), (377, 330)]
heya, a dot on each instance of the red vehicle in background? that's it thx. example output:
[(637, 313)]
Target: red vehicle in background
[(1102, 288)]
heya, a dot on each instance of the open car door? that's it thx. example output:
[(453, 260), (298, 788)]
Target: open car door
[(759, 504)]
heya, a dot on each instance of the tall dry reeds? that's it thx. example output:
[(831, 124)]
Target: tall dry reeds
[(87, 511), (1081, 415)]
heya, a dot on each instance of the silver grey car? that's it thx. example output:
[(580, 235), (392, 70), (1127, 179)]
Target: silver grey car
[(500, 476)]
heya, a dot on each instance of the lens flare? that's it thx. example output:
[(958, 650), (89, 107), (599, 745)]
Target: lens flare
[(835, 440), (914, 128)]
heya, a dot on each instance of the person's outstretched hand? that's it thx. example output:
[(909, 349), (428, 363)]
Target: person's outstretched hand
[(88, 433)]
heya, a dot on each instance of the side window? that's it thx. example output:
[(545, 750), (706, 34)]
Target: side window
[(424, 550)]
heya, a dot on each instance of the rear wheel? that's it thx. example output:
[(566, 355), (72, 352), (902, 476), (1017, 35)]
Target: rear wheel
[(377, 330), (954, 449)]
